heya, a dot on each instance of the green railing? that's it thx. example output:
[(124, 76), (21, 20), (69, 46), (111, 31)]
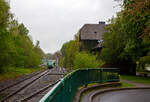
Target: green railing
[(65, 90)]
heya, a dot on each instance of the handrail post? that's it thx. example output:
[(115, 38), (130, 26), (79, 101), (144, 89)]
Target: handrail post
[(87, 78), (101, 75)]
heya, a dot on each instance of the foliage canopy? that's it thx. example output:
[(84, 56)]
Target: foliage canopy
[(128, 35), (16, 47)]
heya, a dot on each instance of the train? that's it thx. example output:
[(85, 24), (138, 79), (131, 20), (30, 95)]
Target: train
[(51, 64)]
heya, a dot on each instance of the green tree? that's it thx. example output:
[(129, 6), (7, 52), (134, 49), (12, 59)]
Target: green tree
[(5, 49), (85, 60), (127, 37), (68, 51)]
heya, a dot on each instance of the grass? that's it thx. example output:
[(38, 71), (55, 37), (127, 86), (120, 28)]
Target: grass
[(143, 80), (11, 72), (92, 84), (123, 84)]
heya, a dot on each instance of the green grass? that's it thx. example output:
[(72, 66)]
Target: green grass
[(143, 80), (143, 72), (92, 84), (123, 84), (10, 73)]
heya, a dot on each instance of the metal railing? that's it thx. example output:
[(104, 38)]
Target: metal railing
[(65, 90)]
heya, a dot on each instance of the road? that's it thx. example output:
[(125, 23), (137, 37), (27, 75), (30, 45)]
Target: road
[(141, 95)]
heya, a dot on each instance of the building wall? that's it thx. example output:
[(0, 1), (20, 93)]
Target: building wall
[(87, 45)]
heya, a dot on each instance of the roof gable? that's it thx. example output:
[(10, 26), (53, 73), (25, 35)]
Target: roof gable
[(92, 31)]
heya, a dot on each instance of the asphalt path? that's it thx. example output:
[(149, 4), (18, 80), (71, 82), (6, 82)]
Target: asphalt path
[(139, 95), (121, 96)]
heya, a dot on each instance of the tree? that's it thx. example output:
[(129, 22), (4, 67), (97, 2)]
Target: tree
[(85, 60), (16, 47), (4, 14), (127, 37), (5, 49), (22, 29), (68, 51)]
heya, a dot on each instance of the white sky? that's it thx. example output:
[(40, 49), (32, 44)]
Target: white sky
[(53, 22)]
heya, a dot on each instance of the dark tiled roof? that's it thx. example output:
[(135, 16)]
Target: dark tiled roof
[(92, 31)]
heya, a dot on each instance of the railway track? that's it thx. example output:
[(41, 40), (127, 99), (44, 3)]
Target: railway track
[(36, 96), (13, 89), (26, 99), (18, 82), (37, 86)]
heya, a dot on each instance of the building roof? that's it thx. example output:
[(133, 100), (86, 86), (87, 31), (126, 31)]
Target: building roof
[(92, 31)]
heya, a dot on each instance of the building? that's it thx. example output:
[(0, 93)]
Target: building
[(90, 36)]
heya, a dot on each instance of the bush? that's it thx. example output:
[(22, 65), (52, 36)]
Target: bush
[(85, 60)]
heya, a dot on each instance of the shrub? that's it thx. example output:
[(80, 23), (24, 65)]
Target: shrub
[(85, 60)]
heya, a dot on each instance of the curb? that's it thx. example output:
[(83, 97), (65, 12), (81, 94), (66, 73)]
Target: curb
[(79, 94), (113, 89)]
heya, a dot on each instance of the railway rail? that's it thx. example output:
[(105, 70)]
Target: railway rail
[(38, 92), (15, 88), (18, 82), (25, 90)]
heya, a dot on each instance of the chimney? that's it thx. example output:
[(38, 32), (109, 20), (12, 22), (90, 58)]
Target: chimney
[(101, 22)]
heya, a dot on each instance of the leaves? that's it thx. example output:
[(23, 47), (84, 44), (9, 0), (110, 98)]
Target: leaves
[(127, 37), (16, 47), (85, 60), (69, 50)]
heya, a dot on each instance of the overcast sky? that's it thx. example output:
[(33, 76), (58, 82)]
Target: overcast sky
[(53, 22)]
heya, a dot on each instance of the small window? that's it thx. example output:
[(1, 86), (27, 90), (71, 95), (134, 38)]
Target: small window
[(95, 32)]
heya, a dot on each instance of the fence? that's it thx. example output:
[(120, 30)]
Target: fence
[(65, 90)]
